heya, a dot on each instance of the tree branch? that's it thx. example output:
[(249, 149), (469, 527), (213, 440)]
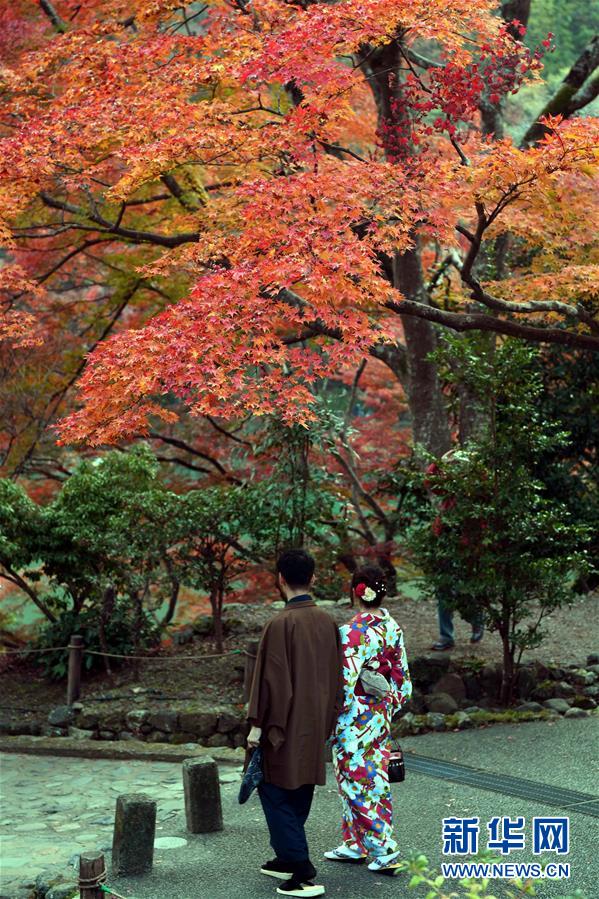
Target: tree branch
[(571, 95)]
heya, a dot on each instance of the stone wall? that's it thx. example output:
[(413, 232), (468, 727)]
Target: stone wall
[(446, 694)]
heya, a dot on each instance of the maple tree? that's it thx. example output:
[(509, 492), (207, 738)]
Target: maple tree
[(259, 194)]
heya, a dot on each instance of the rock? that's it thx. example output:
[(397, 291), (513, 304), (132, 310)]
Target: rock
[(239, 740), (562, 690), (576, 713), (441, 702), (203, 625), (452, 684), (491, 677), (426, 670), (114, 721), (543, 691), (157, 736), (591, 691), (416, 702), (87, 720), (235, 607), (201, 724), (164, 720), (134, 833), (216, 740), (54, 732), (126, 735), (136, 719), (556, 673), (557, 705), (593, 668), (183, 636), (61, 716), (406, 725), (472, 709), (584, 702), (583, 677), (227, 723), (529, 707), (464, 721), (526, 681), (593, 658), (179, 739), (80, 734), (63, 891), (436, 721), (106, 735), (473, 686)]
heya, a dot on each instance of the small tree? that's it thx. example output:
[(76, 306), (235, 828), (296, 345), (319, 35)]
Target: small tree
[(492, 540), (224, 532)]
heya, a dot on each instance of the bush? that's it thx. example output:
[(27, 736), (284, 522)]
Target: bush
[(119, 629)]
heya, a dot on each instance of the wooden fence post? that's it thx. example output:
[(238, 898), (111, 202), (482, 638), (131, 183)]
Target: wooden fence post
[(92, 873), (75, 658), (251, 651)]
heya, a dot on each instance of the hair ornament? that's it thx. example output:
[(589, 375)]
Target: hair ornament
[(369, 595)]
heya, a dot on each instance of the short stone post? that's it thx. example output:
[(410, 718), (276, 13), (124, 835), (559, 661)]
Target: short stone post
[(134, 831), (92, 873), (74, 675), (201, 788), (251, 652)]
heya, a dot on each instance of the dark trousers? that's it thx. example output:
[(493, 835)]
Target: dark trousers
[(286, 813)]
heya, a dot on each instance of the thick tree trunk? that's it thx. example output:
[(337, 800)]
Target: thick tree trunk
[(428, 409)]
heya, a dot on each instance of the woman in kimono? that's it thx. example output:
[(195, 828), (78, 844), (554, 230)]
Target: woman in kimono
[(373, 650)]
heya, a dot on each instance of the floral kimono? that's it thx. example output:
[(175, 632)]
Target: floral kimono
[(361, 743)]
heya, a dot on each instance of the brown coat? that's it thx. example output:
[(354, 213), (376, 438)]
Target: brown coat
[(297, 685)]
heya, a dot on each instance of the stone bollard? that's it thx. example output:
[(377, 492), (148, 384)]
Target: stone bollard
[(134, 830), (202, 795)]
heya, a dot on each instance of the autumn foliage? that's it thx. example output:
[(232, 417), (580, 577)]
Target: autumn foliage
[(270, 190)]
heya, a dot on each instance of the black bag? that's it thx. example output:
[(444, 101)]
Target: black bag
[(397, 768)]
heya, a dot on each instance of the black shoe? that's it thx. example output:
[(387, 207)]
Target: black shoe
[(294, 887), (443, 646), (477, 634), (276, 868)]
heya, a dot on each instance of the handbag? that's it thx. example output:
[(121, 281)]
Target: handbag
[(252, 778), (397, 768)]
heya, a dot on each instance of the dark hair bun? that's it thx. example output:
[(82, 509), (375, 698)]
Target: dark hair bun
[(368, 580)]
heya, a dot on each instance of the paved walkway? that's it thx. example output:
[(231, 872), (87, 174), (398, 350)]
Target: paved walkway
[(53, 808)]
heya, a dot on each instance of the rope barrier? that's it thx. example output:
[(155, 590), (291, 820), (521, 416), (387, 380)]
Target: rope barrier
[(96, 881), (113, 655), (9, 652)]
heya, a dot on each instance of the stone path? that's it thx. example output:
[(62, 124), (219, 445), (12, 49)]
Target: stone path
[(54, 808)]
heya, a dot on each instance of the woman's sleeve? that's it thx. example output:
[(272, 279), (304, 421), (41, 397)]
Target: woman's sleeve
[(405, 684), (355, 644)]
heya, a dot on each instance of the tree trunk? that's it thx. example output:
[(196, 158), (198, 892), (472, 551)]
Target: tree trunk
[(216, 601), (428, 409), (105, 613), (507, 679)]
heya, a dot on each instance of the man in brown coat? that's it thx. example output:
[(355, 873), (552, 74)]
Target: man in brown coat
[(292, 709)]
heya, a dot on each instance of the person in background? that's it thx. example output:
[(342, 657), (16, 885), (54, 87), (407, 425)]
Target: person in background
[(372, 643), (293, 706), (446, 639)]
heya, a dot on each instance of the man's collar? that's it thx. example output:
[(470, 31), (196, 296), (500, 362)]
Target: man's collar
[(303, 597)]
